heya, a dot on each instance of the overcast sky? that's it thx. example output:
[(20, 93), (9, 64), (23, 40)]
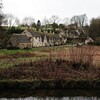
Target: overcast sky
[(38, 9)]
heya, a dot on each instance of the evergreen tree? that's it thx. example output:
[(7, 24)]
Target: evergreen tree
[(38, 25), (95, 28)]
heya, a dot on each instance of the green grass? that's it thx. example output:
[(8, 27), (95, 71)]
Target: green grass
[(41, 53), (6, 63), (38, 49), (12, 51), (18, 51)]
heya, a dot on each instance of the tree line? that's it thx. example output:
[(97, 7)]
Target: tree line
[(54, 22)]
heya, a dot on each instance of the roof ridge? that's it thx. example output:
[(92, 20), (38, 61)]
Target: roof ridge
[(17, 34)]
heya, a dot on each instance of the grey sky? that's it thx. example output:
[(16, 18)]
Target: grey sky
[(39, 9)]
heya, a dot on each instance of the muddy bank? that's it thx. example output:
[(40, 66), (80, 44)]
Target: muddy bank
[(48, 84)]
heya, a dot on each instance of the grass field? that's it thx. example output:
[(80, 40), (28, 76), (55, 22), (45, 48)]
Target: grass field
[(8, 58), (50, 67)]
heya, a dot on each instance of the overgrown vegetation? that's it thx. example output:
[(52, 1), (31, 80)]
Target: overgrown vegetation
[(74, 63), (95, 27), (52, 67)]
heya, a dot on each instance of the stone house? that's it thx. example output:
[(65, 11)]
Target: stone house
[(29, 39), (89, 40), (19, 41), (38, 39)]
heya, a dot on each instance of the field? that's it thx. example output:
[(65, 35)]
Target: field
[(50, 67), (9, 58)]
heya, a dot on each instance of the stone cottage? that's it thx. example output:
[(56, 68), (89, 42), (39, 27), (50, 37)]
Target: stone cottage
[(30, 38), (38, 39), (19, 41)]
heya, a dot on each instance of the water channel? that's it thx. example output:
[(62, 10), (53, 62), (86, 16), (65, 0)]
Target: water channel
[(50, 95)]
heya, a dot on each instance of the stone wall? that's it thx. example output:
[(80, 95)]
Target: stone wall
[(25, 45)]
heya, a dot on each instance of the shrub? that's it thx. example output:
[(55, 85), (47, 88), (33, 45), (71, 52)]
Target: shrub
[(82, 57), (97, 43), (74, 63)]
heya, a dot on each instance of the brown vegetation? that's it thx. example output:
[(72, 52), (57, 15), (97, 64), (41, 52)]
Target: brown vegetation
[(18, 55), (75, 64)]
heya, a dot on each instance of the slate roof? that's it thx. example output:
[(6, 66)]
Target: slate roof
[(21, 38), (34, 34), (39, 34)]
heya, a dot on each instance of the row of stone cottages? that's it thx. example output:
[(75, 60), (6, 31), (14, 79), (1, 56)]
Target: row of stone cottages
[(29, 39)]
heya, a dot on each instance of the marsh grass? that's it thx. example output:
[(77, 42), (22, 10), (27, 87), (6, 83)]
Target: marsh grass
[(80, 57), (61, 64), (83, 57), (50, 68)]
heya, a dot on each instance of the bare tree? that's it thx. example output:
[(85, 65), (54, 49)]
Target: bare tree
[(66, 21), (80, 20), (46, 21), (54, 19), (10, 20), (83, 20), (17, 22), (75, 20), (28, 21)]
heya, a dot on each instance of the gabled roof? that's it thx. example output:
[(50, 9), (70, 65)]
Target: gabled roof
[(34, 34), (21, 38), (39, 34)]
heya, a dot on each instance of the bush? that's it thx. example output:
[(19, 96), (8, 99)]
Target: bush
[(60, 65), (13, 29), (97, 43), (82, 57)]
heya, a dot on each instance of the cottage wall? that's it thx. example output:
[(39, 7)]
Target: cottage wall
[(36, 41), (64, 40), (89, 40), (51, 42), (24, 45), (45, 42), (12, 42)]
